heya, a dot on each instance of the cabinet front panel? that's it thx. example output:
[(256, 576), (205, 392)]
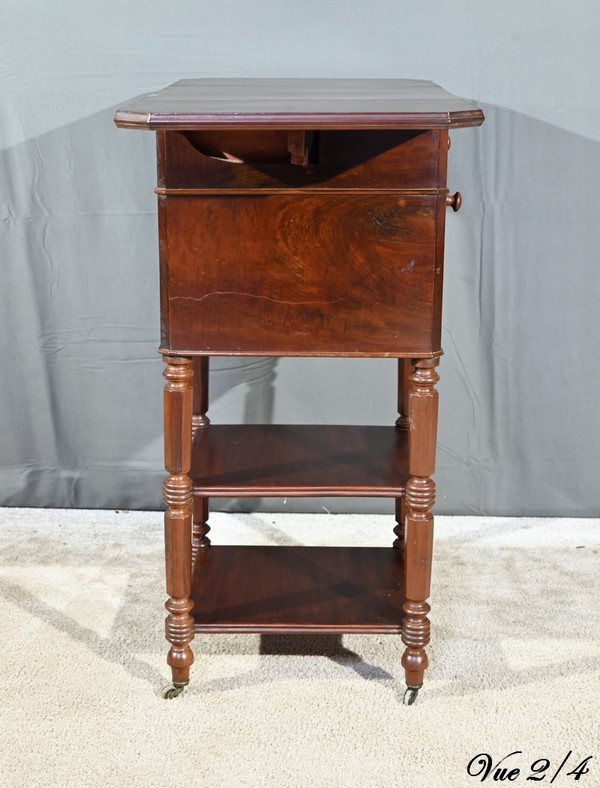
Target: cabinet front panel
[(336, 274)]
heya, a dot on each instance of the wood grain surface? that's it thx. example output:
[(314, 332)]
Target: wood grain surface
[(298, 589), (178, 498), (223, 103), (314, 274), (340, 159), (299, 460)]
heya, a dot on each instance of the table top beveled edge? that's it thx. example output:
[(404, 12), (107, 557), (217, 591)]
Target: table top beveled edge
[(221, 103)]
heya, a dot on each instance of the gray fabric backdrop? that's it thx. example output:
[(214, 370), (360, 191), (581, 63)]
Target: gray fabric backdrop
[(80, 389)]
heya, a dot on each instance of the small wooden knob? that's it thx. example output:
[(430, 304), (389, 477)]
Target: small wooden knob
[(454, 201)]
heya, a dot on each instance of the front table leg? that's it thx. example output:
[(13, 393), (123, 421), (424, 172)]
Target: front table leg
[(178, 497), (420, 497)]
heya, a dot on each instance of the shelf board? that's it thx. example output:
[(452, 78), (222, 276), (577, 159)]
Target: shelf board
[(252, 460), (298, 590)]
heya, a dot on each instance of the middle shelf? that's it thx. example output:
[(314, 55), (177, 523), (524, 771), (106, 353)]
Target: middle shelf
[(261, 460)]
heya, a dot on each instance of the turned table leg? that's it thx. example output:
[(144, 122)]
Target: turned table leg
[(420, 497), (404, 371), (200, 420), (400, 529), (179, 625)]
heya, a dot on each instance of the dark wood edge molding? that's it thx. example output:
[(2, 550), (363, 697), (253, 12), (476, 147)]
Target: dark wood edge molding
[(298, 629), (306, 190), (319, 354), (294, 492), (363, 120)]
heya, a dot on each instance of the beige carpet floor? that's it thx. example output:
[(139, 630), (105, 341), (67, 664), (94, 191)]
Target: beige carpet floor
[(515, 658)]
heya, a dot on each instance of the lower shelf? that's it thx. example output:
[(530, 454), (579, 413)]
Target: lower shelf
[(298, 589)]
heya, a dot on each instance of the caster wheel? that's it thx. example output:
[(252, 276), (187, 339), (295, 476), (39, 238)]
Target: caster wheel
[(172, 690), (410, 695)]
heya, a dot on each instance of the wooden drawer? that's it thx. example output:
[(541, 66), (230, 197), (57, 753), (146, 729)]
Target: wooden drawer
[(302, 274)]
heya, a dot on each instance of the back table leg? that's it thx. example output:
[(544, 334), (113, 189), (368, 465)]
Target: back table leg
[(200, 421), (178, 496), (420, 497), (404, 370)]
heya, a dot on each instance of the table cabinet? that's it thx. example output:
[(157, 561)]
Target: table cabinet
[(300, 217)]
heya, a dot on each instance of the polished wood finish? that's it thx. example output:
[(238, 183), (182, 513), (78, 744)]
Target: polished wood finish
[(224, 103), (342, 275), (178, 517), (454, 201), (283, 460), (300, 217), (200, 526), (200, 393), (399, 529), (200, 420), (404, 372), (191, 163), (298, 589), (420, 497)]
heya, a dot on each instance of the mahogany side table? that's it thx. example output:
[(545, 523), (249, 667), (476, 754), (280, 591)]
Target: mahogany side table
[(300, 217)]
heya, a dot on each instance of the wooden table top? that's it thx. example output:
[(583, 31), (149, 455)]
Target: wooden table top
[(219, 103)]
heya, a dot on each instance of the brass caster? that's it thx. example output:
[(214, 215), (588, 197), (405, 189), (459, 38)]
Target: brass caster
[(410, 695), (173, 690)]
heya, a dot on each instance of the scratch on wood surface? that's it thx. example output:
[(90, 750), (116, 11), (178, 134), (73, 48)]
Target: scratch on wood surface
[(253, 295)]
